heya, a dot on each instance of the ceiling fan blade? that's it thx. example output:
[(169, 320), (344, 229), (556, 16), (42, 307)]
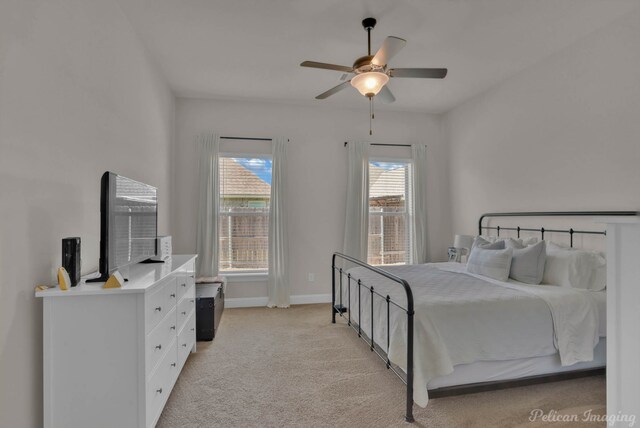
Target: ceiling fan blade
[(385, 95), (333, 90), (425, 73), (390, 47), (326, 66)]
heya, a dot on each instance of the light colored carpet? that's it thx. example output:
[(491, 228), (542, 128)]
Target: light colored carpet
[(292, 367)]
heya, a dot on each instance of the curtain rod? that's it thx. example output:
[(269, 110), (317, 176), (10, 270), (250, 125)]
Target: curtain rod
[(384, 144), (246, 138)]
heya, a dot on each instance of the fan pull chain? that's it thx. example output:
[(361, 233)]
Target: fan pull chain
[(373, 114), (370, 116)]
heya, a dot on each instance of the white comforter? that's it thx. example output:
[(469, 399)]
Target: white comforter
[(461, 318)]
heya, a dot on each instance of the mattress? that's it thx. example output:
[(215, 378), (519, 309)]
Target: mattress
[(491, 371), (461, 319)]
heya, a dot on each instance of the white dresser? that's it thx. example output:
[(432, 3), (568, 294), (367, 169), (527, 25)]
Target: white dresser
[(112, 356)]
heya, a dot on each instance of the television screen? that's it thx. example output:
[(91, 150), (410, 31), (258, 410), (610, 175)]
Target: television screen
[(133, 219), (128, 223)]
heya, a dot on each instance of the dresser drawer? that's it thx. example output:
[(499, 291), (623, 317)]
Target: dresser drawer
[(186, 306), (158, 341), (191, 277), (185, 282), (159, 303), (160, 385), (186, 339), (191, 271), (174, 369)]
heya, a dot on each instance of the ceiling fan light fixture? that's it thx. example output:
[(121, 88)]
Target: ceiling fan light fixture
[(369, 83)]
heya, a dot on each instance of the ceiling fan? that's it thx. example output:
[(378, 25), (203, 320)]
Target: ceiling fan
[(370, 73)]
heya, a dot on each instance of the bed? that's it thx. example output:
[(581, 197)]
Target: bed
[(446, 331)]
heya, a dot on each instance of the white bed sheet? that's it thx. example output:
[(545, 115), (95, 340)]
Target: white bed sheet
[(460, 320), (601, 302), (600, 297)]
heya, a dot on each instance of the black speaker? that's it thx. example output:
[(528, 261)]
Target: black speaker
[(71, 258)]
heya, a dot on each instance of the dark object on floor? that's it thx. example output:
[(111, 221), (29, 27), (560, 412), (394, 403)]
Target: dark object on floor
[(209, 307)]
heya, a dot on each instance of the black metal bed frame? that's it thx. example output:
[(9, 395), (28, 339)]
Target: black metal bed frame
[(337, 307), (542, 230), (340, 309)]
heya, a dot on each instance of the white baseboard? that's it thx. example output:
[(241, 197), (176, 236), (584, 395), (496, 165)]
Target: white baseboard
[(306, 299), (245, 302), (251, 302)]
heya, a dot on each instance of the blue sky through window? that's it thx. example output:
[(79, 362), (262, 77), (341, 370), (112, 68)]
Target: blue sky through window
[(260, 167), (389, 165)]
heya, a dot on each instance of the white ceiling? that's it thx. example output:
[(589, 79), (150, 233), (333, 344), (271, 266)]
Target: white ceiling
[(251, 49)]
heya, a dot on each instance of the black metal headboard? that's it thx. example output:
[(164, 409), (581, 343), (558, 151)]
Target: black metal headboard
[(542, 230)]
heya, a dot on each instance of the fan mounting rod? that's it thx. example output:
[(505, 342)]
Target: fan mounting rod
[(363, 64), (369, 24)]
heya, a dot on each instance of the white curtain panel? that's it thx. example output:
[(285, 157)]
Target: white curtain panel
[(356, 227), (278, 283), (208, 191), (419, 204)]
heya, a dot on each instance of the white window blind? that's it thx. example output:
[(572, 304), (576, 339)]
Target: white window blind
[(389, 213), (245, 191)]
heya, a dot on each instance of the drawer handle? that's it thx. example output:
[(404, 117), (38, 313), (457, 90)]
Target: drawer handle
[(183, 285), (158, 346), (192, 329), (192, 301), (184, 345), (191, 276), (184, 313), (173, 327), (173, 295), (159, 309), (159, 391), (173, 364)]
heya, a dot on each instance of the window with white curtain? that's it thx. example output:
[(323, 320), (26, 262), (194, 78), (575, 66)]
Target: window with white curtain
[(389, 241), (245, 192)]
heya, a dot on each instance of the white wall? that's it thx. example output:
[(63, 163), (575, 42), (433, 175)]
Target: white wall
[(317, 174), (561, 135), (78, 96)]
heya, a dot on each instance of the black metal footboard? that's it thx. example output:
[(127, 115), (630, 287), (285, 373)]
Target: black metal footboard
[(337, 307)]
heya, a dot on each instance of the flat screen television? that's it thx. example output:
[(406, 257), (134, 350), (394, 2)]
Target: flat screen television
[(128, 223)]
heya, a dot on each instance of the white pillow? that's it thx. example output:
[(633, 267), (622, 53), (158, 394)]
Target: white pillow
[(516, 244), (491, 263), (569, 267), (527, 264), (483, 243), (522, 241), (529, 241), (556, 246)]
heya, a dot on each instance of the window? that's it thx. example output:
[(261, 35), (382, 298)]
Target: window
[(245, 192), (389, 213)]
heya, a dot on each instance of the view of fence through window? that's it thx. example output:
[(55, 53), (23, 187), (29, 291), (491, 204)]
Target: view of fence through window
[(245, 191), (389, 225)]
